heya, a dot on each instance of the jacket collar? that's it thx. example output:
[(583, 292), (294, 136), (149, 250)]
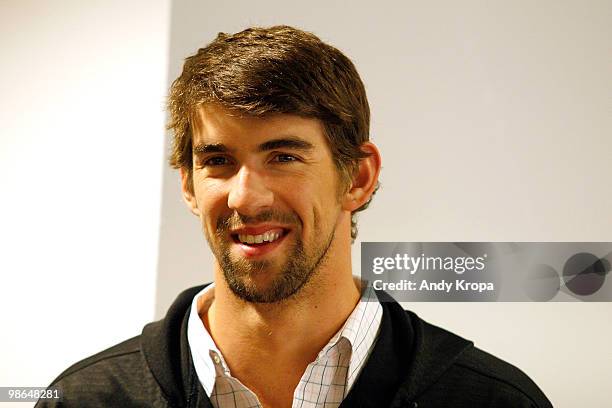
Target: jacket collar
[(166, 351), (409, 355)]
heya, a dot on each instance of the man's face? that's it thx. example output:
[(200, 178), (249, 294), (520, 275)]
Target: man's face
[(268, 196)]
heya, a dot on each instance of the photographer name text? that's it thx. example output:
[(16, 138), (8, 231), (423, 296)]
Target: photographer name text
[(459, 285)]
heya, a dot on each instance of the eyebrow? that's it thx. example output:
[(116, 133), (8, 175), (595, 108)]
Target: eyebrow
[(203, 148), (287, 143)]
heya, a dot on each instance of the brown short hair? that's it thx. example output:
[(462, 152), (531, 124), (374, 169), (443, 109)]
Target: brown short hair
[(279, 69)]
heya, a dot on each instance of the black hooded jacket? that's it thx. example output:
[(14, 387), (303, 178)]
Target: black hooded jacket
[(413, 364)]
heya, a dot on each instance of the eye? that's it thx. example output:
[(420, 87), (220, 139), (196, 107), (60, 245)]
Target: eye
[(216, 161), (285, 158)]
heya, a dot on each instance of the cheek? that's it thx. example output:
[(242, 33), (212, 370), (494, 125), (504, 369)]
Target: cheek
[(210, 192), (212, 202), (317, 205)]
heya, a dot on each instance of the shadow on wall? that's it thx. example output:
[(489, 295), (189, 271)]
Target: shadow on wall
[(184, 257)]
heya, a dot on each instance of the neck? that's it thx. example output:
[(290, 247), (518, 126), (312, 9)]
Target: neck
[(292, 326), (262, 341)]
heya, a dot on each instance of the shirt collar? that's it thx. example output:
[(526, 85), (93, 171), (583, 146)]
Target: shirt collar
[(204, 351), (360, 329)]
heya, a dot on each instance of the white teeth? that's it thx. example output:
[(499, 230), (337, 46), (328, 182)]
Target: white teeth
[(258, 239)]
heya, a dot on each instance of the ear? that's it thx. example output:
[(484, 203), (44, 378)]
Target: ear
[(187, 189), (365, 178)]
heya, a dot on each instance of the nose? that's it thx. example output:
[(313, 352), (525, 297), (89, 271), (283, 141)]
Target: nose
[(249, 194)]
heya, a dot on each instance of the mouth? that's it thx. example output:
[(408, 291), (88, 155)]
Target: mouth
[(260, 241)]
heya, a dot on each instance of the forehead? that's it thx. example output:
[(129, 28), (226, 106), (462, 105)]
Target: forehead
[(214, 124)]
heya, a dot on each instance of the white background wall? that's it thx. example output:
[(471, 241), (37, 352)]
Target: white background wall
[(495, 124), (81, 147), (494, 120)]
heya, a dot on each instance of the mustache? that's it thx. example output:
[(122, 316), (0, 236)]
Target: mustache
[(236, 220)]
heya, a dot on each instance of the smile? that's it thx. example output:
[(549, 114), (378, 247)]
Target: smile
[(258, 239), (256, 242)]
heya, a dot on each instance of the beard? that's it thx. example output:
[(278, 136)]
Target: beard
[(293, 274)]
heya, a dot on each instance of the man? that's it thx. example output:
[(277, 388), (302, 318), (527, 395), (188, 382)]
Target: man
[(271, 138)]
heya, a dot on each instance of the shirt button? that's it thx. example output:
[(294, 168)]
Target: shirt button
[(216, 359)]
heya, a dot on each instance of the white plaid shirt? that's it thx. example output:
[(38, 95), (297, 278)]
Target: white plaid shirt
[(326, 381)]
